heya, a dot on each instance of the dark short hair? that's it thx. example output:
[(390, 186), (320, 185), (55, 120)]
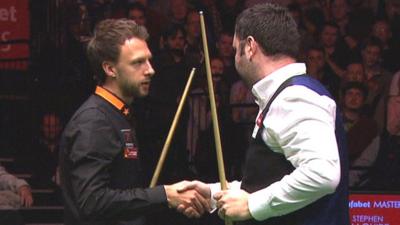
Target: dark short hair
[(136, 6), (331, 24), (272, 27), (172, 30), (373, 41), (105, 45), (316, 47), (355, 85)]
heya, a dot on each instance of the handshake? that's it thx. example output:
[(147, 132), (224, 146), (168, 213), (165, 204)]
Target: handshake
[(193, 199)]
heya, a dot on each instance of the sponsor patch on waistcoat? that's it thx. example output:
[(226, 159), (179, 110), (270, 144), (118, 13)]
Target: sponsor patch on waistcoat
[(130, 149)]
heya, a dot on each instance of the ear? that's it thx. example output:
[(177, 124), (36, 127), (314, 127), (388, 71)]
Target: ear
[(251, 47), (109, 69)]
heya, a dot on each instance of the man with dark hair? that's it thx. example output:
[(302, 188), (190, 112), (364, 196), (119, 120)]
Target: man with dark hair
[(361, 132), (101, 163), (295, 170)]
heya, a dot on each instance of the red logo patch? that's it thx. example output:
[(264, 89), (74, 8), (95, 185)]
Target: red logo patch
[(130, 150), (260, 120)]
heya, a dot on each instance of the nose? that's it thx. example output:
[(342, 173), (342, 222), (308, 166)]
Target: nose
[(149, 71)]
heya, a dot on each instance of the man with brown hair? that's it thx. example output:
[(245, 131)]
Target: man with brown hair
[(100, 160)]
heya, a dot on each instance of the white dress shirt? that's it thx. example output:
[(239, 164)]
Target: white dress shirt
[(301, 125)]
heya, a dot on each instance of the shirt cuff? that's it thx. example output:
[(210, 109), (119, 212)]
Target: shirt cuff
[(259, 204), (215, 187)]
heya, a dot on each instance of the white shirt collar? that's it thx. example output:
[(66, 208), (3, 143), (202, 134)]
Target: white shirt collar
[(266, 87)]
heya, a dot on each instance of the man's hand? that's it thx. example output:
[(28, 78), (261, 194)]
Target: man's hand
[(233, 205), (188, 198), (201, 188), (25, 195)]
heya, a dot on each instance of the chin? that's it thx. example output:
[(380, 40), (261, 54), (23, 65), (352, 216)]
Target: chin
[(143, 94)]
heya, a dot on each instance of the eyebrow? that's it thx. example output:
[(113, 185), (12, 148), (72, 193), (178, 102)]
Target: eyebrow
[(141, 59)]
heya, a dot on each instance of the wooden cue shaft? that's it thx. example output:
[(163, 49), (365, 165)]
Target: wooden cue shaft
[(214, 116), (221, 169), (171, 132)]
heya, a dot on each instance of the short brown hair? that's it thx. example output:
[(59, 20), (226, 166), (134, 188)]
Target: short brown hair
[(105, 45)]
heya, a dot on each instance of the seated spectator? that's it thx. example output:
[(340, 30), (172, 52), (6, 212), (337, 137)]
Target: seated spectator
[(354, 73), (45, 147), (318, 69), (14, 193), (199, 115), (337, 54), (152, 20), (391, 47), (193, 48), (378, 80), (362, 134), (225, 51)]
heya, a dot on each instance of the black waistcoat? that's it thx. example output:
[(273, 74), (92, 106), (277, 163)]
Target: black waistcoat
[(264, 167)]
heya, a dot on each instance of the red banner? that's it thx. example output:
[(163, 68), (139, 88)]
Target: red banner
[(14, 34)]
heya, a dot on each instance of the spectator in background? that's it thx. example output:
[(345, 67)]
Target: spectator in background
[(313, 22), (46, 147), (76, 76), (172, 66), (193, 47), (378, 80), (354, 72), (212, 17), (229, 9), (199, 115), (165, 90), (152, 20), (392, 13), (336, 55), (381, 30), (340, 10), (172, 45), (358, 28), (362, 133), (224, 50), (317, 68), (390, 47), (14, 193), (137, 13), (178, 11)]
